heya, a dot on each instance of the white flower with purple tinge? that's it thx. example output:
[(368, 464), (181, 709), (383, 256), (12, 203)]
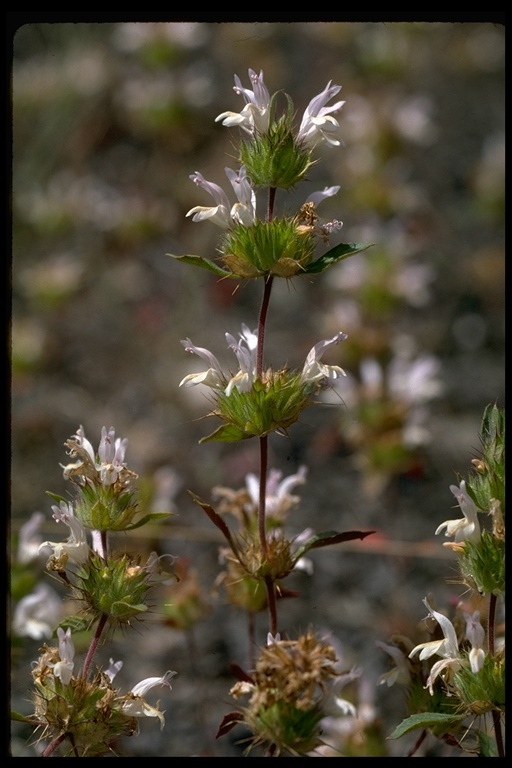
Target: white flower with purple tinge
[(245, 350), (64, 668), (318, 123), (76, 548), (255, 115), (37, 613), (467, 528), (223, 213)]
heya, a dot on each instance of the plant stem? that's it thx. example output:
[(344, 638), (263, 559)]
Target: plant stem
[(94, 645)]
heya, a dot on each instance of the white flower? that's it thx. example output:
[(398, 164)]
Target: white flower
[(313, 370), (317, 197), (475, 633), (107, 468), (76, 548), (278, 500), (36, 614), (136, 706), (447, 648), (466, 528), (64, 667), (245, 350), (318, 122), (29, 540), (113, 668), (255, 115), (223, 214), (400, 672)]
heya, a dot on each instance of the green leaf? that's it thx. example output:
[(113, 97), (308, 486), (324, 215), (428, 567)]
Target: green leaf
[(329, 537), (199, 261), (426, 720), (20, 718), (75, 623), (227, 433), (218, 521), (339, 252), (146, 519), (488, 747)]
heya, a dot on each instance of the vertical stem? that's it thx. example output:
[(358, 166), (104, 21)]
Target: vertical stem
[(261, 325), (94, 644), (491, 643)]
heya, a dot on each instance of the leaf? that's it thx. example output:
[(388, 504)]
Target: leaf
[(75, 623), (146, 519), (488, 747), (339, 252), (20, 718), (227, 433), (425, 720), (328, 538), (199, 261), (228, 722), (216, 520)]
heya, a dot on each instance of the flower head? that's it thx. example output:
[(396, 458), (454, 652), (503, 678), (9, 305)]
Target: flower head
[(466, 528), (317, 122), (106, 468), (255, 115)]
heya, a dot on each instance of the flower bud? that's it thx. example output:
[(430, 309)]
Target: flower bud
[(275, 159)]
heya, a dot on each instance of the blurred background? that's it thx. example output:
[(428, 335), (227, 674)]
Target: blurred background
[(109, 121)]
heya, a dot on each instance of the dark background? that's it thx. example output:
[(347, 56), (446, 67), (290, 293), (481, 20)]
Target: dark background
[(109, 121)]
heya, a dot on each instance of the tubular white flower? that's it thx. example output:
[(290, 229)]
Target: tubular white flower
[(315, 371), (317, 197), (447, 648), (475, 633), (400, 672), (278, 497), (223, 214), (37, 613), (466, 528), (255, 115), (76, 547), (317, 122), (245, 350), (142, 688), (213, 377), (29, 539), (64, 668)]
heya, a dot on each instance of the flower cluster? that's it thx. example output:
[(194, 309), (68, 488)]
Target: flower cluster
[(252, 405), (89, 714), (467, 677)]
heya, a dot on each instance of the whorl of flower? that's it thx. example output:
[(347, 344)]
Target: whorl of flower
[(223, 214), (318, 122), (466, 528), (255, 115)]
